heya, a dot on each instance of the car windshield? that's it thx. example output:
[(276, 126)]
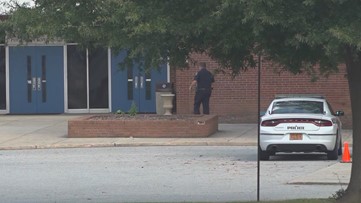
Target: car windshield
[(281, 107)]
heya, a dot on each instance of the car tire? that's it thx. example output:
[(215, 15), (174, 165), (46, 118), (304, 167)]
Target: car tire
[(264, 155), (333, 155), (340, 148)]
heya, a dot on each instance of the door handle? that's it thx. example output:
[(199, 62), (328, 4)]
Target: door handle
[(39, 84), (141, 81), (136, 82), (33, 83)]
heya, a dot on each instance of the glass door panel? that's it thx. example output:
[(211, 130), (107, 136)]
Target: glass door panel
[(88, 87), (77, 78), (98, 79)]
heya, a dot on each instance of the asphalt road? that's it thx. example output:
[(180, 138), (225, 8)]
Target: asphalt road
[(155, 174)]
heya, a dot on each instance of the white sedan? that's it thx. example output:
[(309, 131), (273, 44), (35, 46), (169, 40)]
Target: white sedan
[(300, 124)]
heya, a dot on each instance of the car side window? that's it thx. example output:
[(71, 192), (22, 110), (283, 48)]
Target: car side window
[(330, 108)]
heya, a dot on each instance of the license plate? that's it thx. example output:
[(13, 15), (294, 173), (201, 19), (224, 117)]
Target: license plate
[(296, 136)]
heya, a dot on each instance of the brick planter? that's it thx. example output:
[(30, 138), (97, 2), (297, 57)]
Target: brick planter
[(186, 126)]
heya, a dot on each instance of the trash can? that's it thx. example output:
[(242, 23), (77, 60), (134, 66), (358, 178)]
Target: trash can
[(161, 88)]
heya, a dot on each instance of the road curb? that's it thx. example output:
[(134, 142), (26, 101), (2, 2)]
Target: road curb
[(115, 144)]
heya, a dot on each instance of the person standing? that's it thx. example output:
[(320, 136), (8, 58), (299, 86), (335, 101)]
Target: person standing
[(203, 82)]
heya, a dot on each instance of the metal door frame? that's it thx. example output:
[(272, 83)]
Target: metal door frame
[(7, 110), (88, 109)]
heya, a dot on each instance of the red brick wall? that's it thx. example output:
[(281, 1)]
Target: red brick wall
[(188, 127), (237, 98)]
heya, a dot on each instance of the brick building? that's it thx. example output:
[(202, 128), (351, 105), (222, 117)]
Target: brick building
[(237, 99), (59, 78)]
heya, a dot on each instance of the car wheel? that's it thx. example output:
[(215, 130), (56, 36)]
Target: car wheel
[(333, 155), (264, 155)]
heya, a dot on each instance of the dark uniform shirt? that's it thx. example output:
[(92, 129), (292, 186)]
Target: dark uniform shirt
[(204, 79)]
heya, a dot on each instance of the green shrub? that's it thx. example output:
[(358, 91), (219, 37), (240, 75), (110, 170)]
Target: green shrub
[(133, 109), (119, 111)]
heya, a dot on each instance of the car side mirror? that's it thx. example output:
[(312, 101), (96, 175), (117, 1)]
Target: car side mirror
[(339, 113)]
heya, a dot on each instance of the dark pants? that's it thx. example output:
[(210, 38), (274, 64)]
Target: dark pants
[(202, 97)]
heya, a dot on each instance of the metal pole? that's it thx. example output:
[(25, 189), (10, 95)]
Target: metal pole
[(258, 127)]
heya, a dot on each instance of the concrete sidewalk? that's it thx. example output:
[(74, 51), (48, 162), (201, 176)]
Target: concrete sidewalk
[(50, 131)]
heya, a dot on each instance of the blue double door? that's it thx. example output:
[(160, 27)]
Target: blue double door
[(135, 85), (36, 82), (36, 77)]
